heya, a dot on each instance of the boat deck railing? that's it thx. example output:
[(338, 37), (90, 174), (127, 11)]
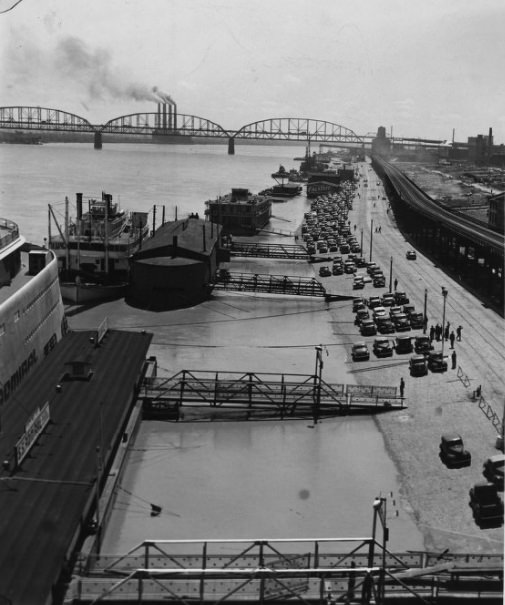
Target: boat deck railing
[(9, 232), (273, 284)]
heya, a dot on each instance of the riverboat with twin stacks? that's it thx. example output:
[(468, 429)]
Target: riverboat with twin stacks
[(240, 212), (285, 188), (94, 247), (32, 316)]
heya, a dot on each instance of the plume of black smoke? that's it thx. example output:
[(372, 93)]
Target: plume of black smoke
[(93, 69)]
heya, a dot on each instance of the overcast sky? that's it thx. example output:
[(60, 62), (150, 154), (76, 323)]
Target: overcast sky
[(422, 67)]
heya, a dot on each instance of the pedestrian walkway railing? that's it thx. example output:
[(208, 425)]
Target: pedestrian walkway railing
[(273, 284), (318, 571), (202, 395), (477, 396)]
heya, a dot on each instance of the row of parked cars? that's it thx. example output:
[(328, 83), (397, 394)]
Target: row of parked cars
[(485, 501), (387, 314)]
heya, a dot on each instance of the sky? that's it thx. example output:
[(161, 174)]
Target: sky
[(421, 68)]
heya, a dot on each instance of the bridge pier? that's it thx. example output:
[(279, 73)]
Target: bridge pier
[(231, 146), (98, 140)]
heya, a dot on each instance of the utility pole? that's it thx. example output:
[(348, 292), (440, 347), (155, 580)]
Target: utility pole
[(444, 294)]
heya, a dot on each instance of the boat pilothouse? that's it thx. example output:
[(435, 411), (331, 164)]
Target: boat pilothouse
[(97, 244)]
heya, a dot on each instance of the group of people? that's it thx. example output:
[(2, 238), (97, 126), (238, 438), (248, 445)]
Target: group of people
[(438, 332)]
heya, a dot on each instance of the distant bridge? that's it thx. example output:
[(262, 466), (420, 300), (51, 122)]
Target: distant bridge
[(154, 124)]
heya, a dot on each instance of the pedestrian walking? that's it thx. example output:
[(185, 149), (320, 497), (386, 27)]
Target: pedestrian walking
[(432, 333), (396, 283), (454, 357), (452, 338), (458, 332), (446, 332), (438, 332), (402, 387), (380, 228)]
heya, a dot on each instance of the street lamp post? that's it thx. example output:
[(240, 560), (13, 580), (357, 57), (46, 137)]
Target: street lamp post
[(317, 381), (371, 239), (391, 275), (444, 294), (361, 241), (425, 318)]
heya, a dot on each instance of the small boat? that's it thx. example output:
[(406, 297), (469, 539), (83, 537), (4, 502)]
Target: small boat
[(94, 248), (285, 187)]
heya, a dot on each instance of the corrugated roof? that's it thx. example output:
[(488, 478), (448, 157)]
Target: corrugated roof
[(42, 502), (189, 234)]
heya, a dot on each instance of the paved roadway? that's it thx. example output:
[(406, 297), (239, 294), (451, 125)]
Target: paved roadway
[(437, 403)]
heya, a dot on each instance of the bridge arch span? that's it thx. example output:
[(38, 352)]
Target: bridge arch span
[(298, 129), (149, 123), (43, 118)]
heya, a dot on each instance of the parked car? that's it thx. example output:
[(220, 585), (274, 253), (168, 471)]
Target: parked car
[(379, 281), (337, 269), (379, 312), (368, 328), (436, 362), (374, 301), (358, 284), (422, 344), (416, 320), (401, 298), (360, 352), (408, 310), (370, 267), (388, 299), (401, 322), (361, 314), (324, 271), (403, 344), (356, 302), (393, 311), (349, 267), (418, 365), (385, 325), (382, 347), (486, 504), (452, 451), (493, 470), (360, 262), (411, 255)]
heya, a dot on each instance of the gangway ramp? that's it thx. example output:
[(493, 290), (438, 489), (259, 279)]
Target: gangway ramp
[(272, 284), (204, 395), (262, 250)]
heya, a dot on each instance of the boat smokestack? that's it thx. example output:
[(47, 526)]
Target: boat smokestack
[(78, 203), (174, 246)]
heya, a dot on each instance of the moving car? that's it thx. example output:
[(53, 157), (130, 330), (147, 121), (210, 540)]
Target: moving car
[(403, 344), (486, 504), (360, 352), (493, 470), (422, 344), (411, 255), (418, 365), (382, 347), (452, 451), (436, 361), (324, 271)]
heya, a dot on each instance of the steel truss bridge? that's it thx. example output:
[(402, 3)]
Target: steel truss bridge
[(151, 124), (309, 571)]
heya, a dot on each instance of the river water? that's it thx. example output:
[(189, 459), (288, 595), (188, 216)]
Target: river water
[(220, 480)]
